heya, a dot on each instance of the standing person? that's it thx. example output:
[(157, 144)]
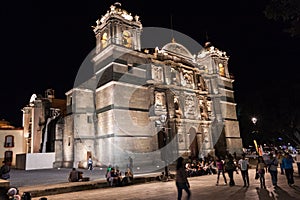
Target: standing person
[(130, 163), (287, 163), (273, 168), (260, 168), (5, 170), (90, 163), (244, 166), (280, 157), (182, 182), (230, 167), (220, 168)]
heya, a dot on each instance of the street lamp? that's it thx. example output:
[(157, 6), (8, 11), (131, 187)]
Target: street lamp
[(254, 120)]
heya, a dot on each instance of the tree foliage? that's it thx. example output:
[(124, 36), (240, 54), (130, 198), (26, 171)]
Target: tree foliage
[(286, 11)]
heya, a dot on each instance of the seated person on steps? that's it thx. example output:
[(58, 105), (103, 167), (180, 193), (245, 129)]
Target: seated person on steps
[(75, 175), (128, 177), (113, 177)]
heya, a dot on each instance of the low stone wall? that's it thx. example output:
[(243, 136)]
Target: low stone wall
[(31, 161), (4, 183)]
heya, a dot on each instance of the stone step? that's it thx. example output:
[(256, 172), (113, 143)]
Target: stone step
[(52, 189)]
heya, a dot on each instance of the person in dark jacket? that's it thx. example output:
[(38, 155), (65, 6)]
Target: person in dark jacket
[(182, 182), (230, 167), (287, 163), (5, 171), (75, 175)]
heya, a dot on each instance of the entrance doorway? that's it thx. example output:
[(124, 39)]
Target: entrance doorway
[(88, 154), (194, 150)]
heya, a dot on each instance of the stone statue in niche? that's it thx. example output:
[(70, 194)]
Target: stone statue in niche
[(178, 112), (205, 137), (157, 74), (160, 102), (209, 109), (175, 76), (209, 106), (180, 138), (203, 109), (201, 83)]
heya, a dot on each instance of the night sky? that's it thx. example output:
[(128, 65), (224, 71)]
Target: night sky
[(43, 44)]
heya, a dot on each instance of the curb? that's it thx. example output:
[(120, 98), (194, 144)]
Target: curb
[(45, 190)]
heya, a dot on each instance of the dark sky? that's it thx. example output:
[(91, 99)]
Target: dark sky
[(43, 44)]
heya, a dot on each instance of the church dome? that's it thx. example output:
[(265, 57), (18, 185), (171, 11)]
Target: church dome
[(178, 49)]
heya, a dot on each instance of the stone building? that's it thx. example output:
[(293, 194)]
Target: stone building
[(149, 104), (41, 118), (12, 142)]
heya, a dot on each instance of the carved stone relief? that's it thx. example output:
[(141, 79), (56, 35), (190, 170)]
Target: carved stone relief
[(187, 79), (190, 105), (157, 73)]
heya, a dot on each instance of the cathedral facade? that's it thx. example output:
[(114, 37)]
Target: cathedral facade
[(151, 105)]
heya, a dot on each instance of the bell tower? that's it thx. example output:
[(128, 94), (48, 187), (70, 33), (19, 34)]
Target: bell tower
[(118, 27), (220, 84)]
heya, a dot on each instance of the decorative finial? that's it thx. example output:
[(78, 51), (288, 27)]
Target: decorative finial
[(136, 17), (173, 40), (118, 4), (207, 45), (98, 22)]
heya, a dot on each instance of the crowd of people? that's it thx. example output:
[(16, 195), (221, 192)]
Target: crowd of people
[(221, 166), (198, 167), (114, 176), (230, 165)]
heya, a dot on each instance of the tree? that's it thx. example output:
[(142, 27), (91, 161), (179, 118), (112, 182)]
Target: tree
[(286, 11)]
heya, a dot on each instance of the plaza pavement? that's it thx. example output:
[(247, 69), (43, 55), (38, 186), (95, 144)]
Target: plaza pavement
[(146, 187)]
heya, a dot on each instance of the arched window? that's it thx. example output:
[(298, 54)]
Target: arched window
[(126, 39), (104, 40), (9, 141)]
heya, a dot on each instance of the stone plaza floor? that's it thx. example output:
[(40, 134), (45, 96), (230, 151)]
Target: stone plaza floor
[(202, 187)]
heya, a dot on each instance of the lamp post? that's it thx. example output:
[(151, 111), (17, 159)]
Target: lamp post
[(163, 120), (254, 132)]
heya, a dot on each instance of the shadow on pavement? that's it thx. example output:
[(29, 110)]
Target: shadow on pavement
[(278, 194)]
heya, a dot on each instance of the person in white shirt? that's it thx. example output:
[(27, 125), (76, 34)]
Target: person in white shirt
[(244, 166), (90, 163)]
